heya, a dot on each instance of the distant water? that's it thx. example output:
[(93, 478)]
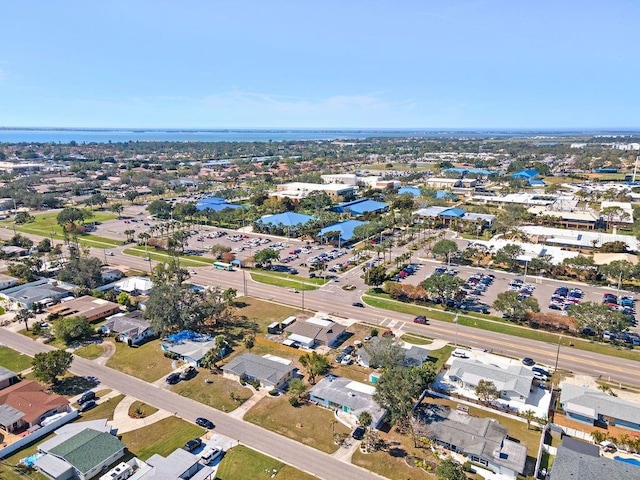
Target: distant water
[(34, 135)]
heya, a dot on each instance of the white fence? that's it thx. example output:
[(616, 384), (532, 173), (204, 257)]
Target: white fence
[(41, 432)]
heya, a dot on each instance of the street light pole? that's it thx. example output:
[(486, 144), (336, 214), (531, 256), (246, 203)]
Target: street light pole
[(244, 282), (455, 320), (555, 368)]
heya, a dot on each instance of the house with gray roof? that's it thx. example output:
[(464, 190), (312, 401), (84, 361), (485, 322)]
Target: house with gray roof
[(178, 465), (41, 291), (7, 378), (347, 396), (414, 356), (315, 331), (574, 460), (270, 371), (514, 382), (130, 327), (482, 440), (594, 407), (82, 455)]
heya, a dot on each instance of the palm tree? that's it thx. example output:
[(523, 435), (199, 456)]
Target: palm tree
[(24, 315), (529, 416)]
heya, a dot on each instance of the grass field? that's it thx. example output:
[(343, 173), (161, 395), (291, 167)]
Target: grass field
[(307, 424), (139, 407), (161, 437), (156, 256), (500, 326), (416, 339), (103, 410), (146, 362), (90, 352), (263, 312), (219, 394), (14, 361), (242, 463), (285, 282)]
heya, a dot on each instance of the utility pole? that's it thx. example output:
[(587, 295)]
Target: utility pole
[(555, 368)]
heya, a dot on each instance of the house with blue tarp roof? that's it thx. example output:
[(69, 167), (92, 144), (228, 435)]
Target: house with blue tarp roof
[(415, 191), (345, 228), (361, 207)]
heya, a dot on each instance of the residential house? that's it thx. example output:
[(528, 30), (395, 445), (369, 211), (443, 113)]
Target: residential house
[(130, 327), (93, 309), (482, 440), (7, 282), (82, 455), (7, 378), (188, 346), (596, 408), (39, 292), (314, 332), (111, 274), (347, 396), (134, 285), (514, 383), (178, 465), (269, 370), (413, 356), (579, 460), (13, 251), (26, 404)]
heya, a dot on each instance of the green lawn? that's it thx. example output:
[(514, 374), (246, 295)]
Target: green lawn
[(416, 339), (306, 424), (146, 362), (103, 410), (263, 312), (185, 260), (286, 282), (140, 409), (222, 393), (14, 361), (90, 352), (242, 463), (493, 324), (161, 437)]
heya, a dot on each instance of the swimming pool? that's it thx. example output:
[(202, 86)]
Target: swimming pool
[(30, 461), (630, 461)]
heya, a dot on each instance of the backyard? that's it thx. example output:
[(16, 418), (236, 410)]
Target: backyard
[(306, 424)]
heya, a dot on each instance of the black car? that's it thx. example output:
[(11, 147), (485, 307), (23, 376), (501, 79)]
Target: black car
[(541, 371), (348, 350), (88, 405), (358, 304), (204, 422), (173, 378), (528, 361), (191, 445), (358, 433), (420, 319), (86, 396), (188, 373)]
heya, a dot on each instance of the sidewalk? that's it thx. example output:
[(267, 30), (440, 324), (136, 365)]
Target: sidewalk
[(246, 406), (124, 423)]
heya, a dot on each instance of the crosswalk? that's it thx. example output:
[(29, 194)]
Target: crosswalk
[(392, 324)]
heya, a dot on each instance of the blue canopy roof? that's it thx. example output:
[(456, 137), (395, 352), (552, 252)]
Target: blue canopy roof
[(286, 219), (453, 212), (525, 174), (469, 171), (345, 228), (362, 206), (415, 191), (536, 182)]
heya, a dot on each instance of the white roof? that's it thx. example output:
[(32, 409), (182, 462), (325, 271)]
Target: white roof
[(323, 322), (361, 387), (275, 358)]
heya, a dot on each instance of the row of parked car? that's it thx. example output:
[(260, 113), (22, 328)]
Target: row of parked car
[(525, 290), (406, 272), (326, 257), (563, 298)]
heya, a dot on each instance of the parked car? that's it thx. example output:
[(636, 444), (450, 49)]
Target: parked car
[(358, 433), (348, 350), (86, 396), (529, 362), (211, 454), (541, 371), (460, 354), (188, 373), (88, 405), (173, 378), (192, 444), (205, 422)]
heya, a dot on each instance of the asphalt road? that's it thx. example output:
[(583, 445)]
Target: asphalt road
[(288, 451)]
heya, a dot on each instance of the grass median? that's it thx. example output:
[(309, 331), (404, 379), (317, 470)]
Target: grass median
[(185, 260), (285, 282), (499, 326)]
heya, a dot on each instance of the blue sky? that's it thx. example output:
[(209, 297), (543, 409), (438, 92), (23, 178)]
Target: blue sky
[(320, 64)]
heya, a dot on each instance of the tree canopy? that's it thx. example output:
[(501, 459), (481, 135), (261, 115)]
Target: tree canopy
[(597, 317), (48, 366), (442, 288), (514, 306)]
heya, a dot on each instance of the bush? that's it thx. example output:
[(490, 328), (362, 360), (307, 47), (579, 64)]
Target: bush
[(274, 392), (293, 401)]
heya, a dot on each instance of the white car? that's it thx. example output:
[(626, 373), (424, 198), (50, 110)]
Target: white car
[(109, 254), (460, 354), (293, 290), (210, 454)]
